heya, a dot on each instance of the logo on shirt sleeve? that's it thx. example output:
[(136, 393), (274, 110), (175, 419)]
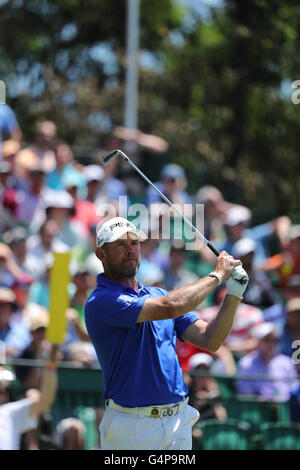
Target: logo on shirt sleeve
[(128, 299)]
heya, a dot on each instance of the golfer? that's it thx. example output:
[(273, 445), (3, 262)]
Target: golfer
[(134, 330)]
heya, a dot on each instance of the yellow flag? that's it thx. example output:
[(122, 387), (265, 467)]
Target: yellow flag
[(59, 297)]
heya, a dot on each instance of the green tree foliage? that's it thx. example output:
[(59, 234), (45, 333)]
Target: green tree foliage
[(217, 86)]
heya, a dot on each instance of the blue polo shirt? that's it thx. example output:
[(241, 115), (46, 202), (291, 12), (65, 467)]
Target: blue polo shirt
[(138, 360)]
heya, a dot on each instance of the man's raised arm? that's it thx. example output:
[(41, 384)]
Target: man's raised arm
[(187, 298)]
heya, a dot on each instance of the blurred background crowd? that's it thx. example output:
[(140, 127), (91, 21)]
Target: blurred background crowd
[(50, 202)]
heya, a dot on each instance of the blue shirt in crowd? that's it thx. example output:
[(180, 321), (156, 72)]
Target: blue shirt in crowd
[(8, 122), (138, 360)]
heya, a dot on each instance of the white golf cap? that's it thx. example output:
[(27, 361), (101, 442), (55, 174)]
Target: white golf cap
[(243, 247), (264, 329), (114, 229), (93, 173), (200, 359), (237, 215)]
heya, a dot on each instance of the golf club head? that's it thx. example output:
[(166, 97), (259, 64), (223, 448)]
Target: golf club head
[(108, 156)]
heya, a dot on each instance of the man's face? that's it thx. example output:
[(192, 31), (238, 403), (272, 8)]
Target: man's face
[(121, 258), (59, 214), (236, 231), (293, 321), (48, 232), (268, 345)]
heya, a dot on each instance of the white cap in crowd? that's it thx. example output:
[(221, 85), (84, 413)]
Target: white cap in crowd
[(200, 359), (237, 215), (93, 173), (60, 199), (243, 247), (264, 329)]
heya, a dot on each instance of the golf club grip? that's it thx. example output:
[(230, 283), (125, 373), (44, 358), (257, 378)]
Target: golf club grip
[(216, 252), (213, 248)]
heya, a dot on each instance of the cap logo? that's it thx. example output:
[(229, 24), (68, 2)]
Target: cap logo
[(120, 224)]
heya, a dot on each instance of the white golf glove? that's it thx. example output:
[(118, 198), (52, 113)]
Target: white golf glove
[(234, 287)]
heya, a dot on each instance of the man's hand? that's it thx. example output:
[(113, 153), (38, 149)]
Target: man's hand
[(225, 265), (234, 287)]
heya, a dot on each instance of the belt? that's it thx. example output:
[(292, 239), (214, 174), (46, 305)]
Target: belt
[(154, 411)]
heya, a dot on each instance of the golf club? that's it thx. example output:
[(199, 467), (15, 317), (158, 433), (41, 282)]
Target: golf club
[(107, 157)]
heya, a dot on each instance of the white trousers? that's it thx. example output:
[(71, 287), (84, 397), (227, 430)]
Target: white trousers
[(123, 431)]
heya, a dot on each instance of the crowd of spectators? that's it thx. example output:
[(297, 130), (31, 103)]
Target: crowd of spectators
[(52, 201)]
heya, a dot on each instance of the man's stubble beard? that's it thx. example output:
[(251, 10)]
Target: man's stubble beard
[(122, 271)]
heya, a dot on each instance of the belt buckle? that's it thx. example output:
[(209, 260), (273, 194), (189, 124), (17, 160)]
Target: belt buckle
[(155, 413), (164, 412)]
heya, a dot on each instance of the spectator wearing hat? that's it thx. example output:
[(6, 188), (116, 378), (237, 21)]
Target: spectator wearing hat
[(70, 434), (42, 148), (286, 263), (86, 209), (237, 226), (260, 291), (59, 206), (277, 375), (24, 162), (215, 210), (172, 184), (38, 348), (204, 389), (291, 328), (31, 200), (15, 334), (66, 169), (39, 245)]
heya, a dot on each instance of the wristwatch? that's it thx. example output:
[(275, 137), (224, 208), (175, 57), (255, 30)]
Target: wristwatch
[(217, 275)]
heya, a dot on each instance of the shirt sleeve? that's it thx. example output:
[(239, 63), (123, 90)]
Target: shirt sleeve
[(9, 122), (244, 387), (182, 322), (112, 309), (20, 413)]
